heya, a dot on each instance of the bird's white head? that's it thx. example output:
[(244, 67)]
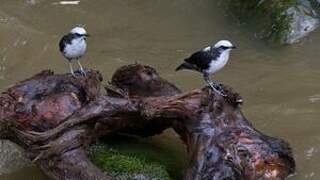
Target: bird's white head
[(225, 45), (79, 29)]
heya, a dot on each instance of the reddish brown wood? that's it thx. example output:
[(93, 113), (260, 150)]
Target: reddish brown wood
[(54, 117)]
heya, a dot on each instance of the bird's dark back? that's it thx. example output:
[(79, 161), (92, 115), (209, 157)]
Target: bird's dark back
[(202, 59), (66, 39)]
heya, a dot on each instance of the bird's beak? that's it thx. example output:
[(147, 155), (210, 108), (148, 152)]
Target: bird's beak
[(87, 35), (233, 47)]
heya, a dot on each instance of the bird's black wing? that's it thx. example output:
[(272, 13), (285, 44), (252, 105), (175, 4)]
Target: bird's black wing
[(202, 59), (66, 39)]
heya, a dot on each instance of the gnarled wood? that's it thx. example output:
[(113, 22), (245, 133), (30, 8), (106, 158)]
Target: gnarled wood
[(54, 117)]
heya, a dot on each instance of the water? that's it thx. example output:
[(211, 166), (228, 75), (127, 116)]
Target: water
[(280, 85)]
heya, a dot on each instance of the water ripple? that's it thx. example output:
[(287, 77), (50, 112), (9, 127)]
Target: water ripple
[(66, 3), (314, 98)]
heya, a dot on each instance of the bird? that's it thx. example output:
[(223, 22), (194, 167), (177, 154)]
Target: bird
[(73, 46), (208, 61)]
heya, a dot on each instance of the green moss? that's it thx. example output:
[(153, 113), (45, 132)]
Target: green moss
[(166, 149), (124, 166), (268, 16)]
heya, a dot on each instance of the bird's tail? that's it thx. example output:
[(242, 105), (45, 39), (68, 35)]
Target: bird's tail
[(185, 65)]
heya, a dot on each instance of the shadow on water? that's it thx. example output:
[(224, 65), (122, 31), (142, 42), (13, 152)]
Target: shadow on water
[(280, 85)]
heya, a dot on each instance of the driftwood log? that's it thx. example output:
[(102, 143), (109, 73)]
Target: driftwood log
[(55, 117)]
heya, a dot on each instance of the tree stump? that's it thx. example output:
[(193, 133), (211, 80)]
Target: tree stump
[(54, 117)]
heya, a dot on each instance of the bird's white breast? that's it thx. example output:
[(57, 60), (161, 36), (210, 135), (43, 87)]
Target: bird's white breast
[(76, 49), (216, 65)]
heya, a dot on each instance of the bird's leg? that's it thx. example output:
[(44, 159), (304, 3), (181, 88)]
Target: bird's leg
[(212, 85), (81, 68), (208, 81), (71, 69)]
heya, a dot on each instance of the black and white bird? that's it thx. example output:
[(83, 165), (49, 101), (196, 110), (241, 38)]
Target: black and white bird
[(73, 46), (208, 61)]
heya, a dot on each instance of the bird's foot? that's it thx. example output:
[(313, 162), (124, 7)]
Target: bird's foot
[(217, 88), (83, 72), (73, 74), (79, 73)]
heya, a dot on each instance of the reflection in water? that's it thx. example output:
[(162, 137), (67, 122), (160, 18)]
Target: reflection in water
[(279, 84)]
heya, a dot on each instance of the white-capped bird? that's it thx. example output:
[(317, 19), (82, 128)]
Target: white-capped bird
[(208, 61), (73, 46)]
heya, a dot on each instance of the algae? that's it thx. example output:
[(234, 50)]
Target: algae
[(124, 166), (166, 150)]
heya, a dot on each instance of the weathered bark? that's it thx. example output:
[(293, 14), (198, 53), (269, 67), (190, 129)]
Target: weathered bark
[(54, 117)]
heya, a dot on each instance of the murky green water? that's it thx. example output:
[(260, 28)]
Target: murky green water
[(280, 85)]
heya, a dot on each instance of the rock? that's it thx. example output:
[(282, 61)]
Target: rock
[(12, 158), (304, 20), (281, 21)]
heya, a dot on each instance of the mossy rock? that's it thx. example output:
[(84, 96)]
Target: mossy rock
[(281, 21), (165, 155), (126, 167)]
